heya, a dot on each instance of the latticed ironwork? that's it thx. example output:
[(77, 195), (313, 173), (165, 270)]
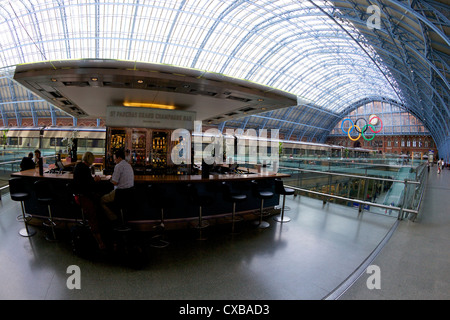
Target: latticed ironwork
[(323, 51)]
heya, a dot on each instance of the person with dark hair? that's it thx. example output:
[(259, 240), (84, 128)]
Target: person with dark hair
[(122, 178), (38, 157), (27, 162), (85, 187)]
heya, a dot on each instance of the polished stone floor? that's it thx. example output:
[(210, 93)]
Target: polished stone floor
[(302, 259), (414, 264), (306, 258)]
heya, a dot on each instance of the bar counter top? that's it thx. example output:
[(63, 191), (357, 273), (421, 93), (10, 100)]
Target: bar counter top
[(32, 173), (179, 209), (160, 178)]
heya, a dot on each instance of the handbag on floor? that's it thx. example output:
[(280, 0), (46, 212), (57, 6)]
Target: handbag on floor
[(83, 242)]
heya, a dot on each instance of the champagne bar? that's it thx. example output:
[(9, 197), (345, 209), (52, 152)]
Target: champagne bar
[(145, 135), (148, 137), (147, 150), (179, 211)]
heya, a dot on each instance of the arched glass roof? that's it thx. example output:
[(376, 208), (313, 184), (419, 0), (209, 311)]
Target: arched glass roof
[(290, 45), (320, 50)]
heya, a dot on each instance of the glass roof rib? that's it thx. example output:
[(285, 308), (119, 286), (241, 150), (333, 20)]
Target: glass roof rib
[(17, 103), (269, 42), (303, 47)]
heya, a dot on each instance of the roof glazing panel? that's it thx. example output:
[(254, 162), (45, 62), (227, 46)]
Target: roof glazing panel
[(284, 44)]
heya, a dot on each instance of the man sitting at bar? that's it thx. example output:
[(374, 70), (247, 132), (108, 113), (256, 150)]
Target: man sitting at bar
[(122, 178), (38, 157), (27, 162)]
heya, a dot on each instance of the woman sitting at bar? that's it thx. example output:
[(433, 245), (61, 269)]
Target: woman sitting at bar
[(85, 186)]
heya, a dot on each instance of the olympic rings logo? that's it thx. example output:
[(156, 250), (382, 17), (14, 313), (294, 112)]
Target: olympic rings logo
[(363, 130)]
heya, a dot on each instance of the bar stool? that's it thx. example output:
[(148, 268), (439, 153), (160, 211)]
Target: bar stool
[(45, 195), (157, 199), (123, 199), (229, 196), (76, 201), (262, 195), (200, 201), (23, 217), (282, 190), (18, 192)]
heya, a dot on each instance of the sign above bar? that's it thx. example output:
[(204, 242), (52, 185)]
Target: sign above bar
[(139, 117)]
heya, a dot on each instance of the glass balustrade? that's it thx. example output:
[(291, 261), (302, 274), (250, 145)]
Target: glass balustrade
[(382, 186)]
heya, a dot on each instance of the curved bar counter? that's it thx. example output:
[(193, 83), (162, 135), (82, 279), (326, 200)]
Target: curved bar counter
[(179, 212)]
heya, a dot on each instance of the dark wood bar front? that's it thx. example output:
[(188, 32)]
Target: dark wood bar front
[(179, 211)]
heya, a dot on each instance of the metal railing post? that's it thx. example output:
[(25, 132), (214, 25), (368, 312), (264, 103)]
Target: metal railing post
[(400, 213), (366, 188)]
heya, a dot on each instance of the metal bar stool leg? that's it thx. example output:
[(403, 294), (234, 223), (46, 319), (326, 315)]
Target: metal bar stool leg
[(27, 231), (233, 198), (282, 218), (201, 225), (159, 241), (232, 217), (235, 219), (200, 201), (281, 190), (83, 219), (50, 224), (261, 224), (22, 217), (123, 227), (261, 194)]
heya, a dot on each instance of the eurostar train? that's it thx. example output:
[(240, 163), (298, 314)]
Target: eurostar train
[(53, 138), (286, 148), (94, 139)]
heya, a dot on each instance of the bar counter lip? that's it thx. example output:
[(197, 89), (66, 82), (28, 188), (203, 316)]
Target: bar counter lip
[(160, 178)]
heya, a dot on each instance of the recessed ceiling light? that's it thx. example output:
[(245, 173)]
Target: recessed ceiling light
[(149, 105)]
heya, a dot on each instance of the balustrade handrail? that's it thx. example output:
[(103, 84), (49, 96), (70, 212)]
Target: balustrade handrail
[(383, 206), (20, 160), (353, 163), (351, 175), (401, 209)]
